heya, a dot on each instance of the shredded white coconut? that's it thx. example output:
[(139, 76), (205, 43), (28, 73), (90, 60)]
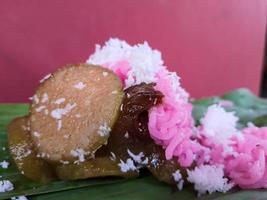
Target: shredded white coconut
[(45, 77), (113, 156), (40, 108), (77, 115), (59, 101), (4, 164), (34, 98), (180, 185), (144, 61), (137, 158), (21, 151), (43, 155), (156, 100), (6, 186), (36, 134), (64, 162), (66, 136), (44, 98), (217, 120), (209, 178), (19, 198), (59, 112), (79, 153), (127, 166), (178, 178), (145, 162), (220, 126), (126, 134), (80, 85), (59, 124), (251, 125), (180, 94), (104, 130), (105, 74)]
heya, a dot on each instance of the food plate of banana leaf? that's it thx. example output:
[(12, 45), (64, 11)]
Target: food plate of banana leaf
[(248, 107)]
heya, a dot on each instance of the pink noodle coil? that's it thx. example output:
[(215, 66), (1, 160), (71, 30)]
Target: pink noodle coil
[(171, 123), (120, 68), (249, 168)]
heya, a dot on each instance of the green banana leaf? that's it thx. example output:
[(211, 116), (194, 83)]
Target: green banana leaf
[(247, 106)]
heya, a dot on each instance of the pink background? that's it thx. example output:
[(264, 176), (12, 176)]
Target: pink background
[(214, 45)]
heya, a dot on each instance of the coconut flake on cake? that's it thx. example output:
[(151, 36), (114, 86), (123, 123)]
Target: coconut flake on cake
[(80, 85), (59, 101), (138, 158), (104, 130), (45, 78), (79, 153), (209, 178), (144, 62), (178, 178), (60, 112), (127, 166)]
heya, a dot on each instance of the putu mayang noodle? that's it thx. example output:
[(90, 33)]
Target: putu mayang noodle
[(222, 155)]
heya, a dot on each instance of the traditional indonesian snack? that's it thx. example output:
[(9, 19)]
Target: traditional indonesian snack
[(123, 111), (73, 112)]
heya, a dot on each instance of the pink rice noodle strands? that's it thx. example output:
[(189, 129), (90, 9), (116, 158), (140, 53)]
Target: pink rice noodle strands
[(249, 168), (171, 123), (120, 68)]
